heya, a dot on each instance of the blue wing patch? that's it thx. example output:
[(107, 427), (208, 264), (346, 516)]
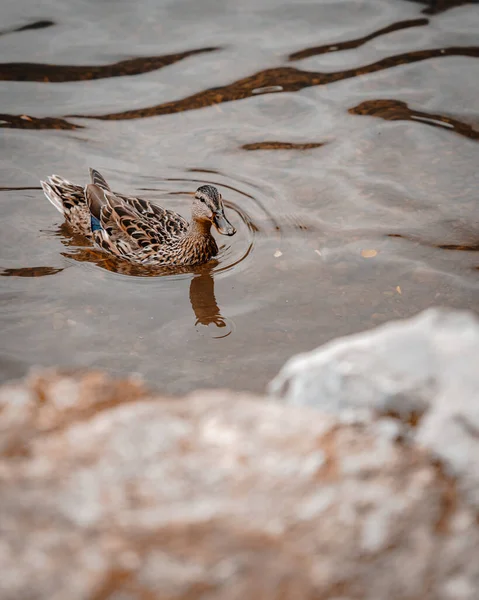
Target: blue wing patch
[(95, 224)]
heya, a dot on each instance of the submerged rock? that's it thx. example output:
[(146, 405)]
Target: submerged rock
[(109, 493)]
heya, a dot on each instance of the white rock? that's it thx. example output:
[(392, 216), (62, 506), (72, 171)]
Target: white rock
[(425, 367)]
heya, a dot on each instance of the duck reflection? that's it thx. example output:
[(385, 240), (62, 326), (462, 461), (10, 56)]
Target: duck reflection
[(203, 300), (202, 285)]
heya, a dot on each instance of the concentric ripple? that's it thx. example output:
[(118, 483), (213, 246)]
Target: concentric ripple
[(176, 194)]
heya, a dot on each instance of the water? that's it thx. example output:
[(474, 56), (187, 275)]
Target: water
[(343, 136)]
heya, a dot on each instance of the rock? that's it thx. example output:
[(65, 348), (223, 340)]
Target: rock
[(109, 493), (423, 371), (50, 400)]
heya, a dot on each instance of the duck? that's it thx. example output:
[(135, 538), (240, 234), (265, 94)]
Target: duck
[(136, 230)]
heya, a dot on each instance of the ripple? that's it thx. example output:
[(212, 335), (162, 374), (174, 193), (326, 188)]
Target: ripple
[(209, 322), (219, 330), (268, 81), (232, 251), (288, 78)]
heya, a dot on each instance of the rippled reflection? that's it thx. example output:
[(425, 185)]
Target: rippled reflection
[(60, 73), (282, 79), (201, 294), (269, 81), (202, 286), (349, 44), (203, 300), (30, 272), (83, 251), (27, 122), (395, 110)]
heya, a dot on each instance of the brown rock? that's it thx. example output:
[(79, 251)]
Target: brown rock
[(108, 494)]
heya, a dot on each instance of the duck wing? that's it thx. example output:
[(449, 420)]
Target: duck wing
[(117, 227), (170, 223)]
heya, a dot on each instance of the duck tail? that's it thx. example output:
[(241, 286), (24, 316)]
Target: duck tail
[(59, 191), (52, 195)]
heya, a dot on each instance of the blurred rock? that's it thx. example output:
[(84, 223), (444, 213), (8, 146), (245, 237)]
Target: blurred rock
[(107, 493), (423, 370), (49, 400)]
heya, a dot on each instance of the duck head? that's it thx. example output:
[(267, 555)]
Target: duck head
[(208, 206)]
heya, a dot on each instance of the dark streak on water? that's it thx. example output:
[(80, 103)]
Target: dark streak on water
[(20, 188), (394, 110), (30, 272), (282, 79), (62, 73), (35, 25), (281, 146), (338, 46), (27, 122), (286, 79)]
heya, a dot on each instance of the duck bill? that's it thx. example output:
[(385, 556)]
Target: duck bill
[(223, 225)]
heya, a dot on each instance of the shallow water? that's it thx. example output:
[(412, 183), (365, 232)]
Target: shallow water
[(343, 136)]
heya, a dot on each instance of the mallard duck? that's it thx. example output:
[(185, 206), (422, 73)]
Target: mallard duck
[(136, 230)]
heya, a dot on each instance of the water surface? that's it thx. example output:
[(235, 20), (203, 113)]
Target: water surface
[(343, 136)]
